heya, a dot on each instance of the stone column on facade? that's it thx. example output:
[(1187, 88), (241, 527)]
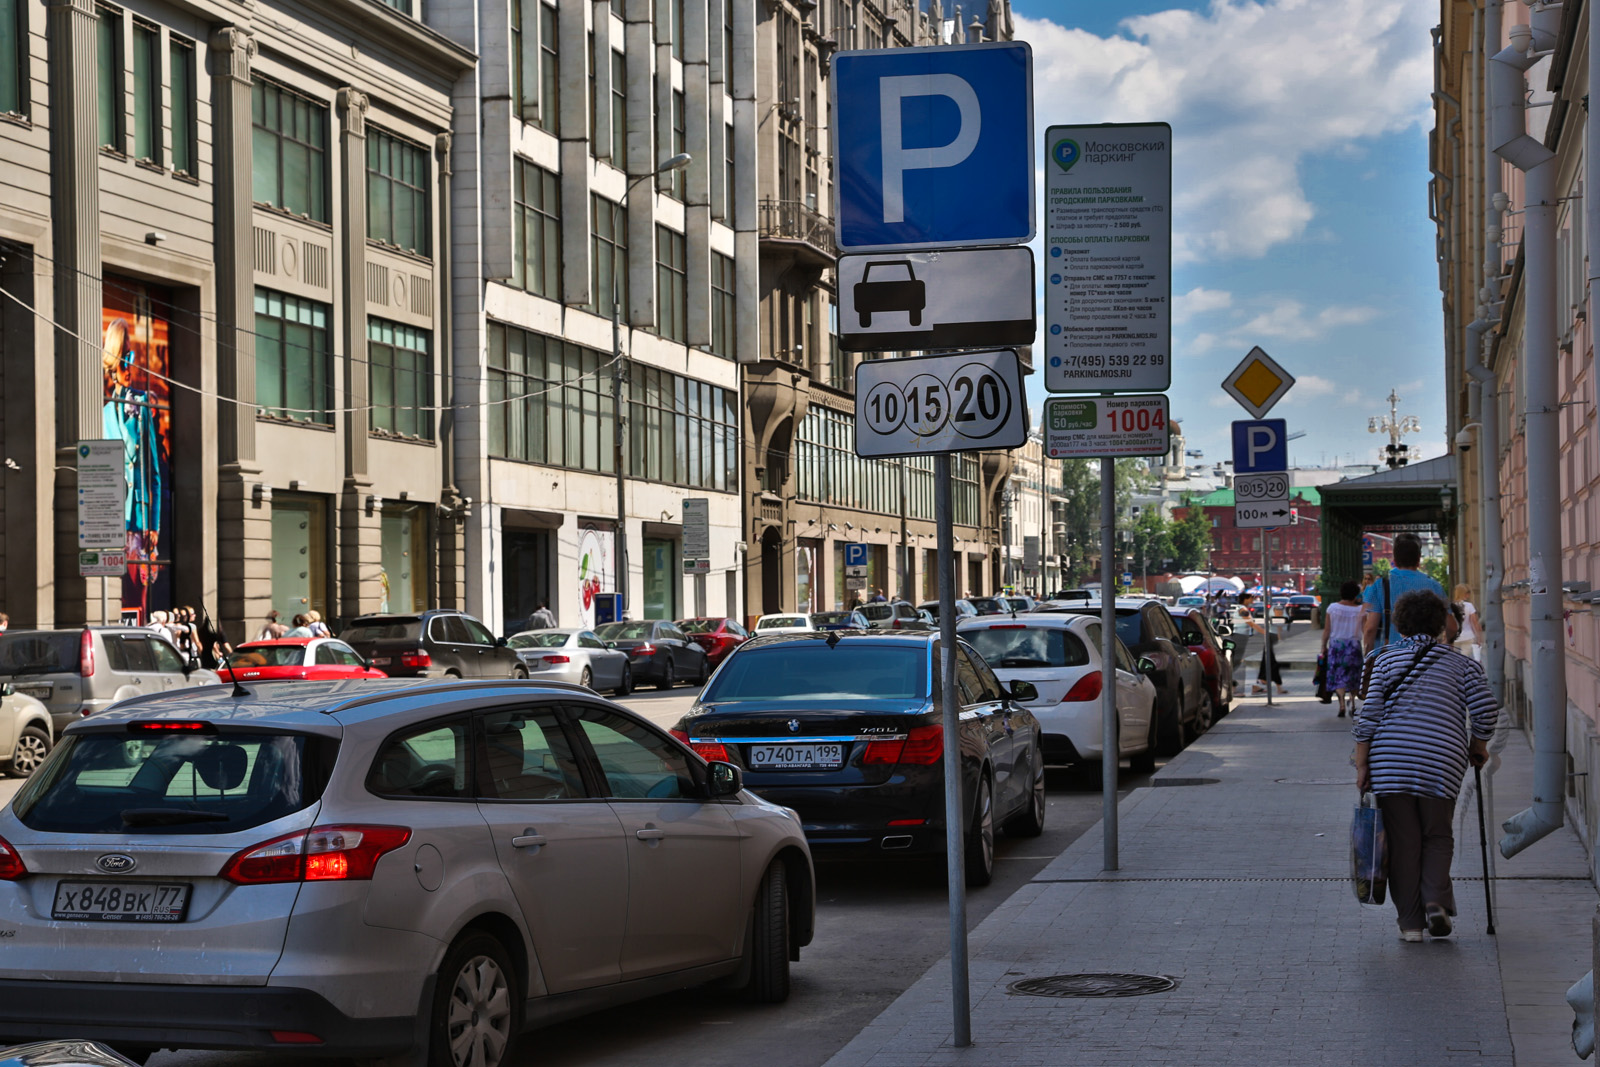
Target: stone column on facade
[(641, 214), (598, 60), (244, 503), (747, 242), (360, 513), (27, 483), (717, 118), (575, 166), (697, 180), (449, 575), (75, 211)]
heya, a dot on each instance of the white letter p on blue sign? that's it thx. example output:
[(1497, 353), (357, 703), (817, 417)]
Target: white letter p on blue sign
[(896, 159)]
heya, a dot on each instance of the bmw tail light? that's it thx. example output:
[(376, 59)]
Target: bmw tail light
[(86, 654), (1086, 688), (680, 735), (711, 751), (414, 660), (11, 865), (923, 746), (326, 853), (646, 649)]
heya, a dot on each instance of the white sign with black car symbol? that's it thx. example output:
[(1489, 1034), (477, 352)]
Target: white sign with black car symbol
[(964, 402), (958, 298)]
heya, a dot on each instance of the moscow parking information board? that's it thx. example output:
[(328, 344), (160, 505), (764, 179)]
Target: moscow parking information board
[(1108, 258), (1102, 427)]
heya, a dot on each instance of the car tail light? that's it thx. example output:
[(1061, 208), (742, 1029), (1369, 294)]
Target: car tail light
[(1086, 688), (680, 735), (1009, 626), (711, 751), (646, 649), (86, 654), (11, 865), (295, 1037), (924, 745), (556, 659), (326, 853), (908, 822), (164, 726), (419, 658)]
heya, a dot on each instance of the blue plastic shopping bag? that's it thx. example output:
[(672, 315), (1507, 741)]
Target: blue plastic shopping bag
[(1369, 852)]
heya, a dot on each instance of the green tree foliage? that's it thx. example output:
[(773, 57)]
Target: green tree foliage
[(1191, 538), (1152, 541)]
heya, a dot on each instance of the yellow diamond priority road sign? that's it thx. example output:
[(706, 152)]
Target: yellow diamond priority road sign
[(1258, 382)]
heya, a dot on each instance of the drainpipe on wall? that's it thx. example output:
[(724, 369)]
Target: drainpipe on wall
[(1547, 668), (1490, 602)]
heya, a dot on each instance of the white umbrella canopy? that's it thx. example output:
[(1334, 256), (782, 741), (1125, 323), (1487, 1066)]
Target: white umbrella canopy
[(1219, 585)]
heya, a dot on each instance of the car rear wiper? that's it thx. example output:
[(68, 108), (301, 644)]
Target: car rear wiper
[(169, 816)]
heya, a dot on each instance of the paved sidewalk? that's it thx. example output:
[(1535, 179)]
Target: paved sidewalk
[(1239, 888)]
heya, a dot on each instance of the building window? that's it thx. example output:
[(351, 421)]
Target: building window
[(108, 36), (535, 70), (828, 471), (300, 552), (549, 401), (400, 379), (536, 230), (662, 578), (672, 285), (682, 431), (672, 12), (402, 6), (290, 144), (292, 367), (619, 110), (723, 303), (185, 131), (610, 256), (13, 57), (680, 140), (404, 558), (727, 43), (397, 193), (147, 93), (729, 175)]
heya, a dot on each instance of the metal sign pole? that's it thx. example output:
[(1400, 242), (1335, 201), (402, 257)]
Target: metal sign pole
[(955, 859), (1108, 665), (1266, 617)]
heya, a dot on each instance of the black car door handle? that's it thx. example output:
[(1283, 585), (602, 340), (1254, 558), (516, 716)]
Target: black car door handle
[(527, 841)]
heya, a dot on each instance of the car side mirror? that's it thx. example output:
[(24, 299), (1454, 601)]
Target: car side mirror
[(1146, 665), (723, 780), (611, 644), (1023, 690), (190, 667), (7, 689), (1228, 644)]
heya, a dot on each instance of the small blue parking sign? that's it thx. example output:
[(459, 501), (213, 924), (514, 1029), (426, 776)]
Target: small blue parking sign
[(855, 554), (1260, 445), (933, 147)]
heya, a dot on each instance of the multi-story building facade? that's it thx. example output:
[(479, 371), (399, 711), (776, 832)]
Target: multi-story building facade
[(223, 245), (1294, 551), (1031, 537), (560, 213), (806, 492)]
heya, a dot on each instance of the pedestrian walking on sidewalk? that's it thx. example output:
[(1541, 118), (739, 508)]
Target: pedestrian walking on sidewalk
[(1341, 645), (1469, 642), (1413, 745)]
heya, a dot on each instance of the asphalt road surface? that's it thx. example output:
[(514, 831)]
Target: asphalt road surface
[(879, 927)]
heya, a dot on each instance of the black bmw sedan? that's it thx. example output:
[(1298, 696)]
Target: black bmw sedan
[(845, 728)]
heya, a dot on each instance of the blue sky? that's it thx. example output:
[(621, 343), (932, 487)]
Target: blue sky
[(1300, 185)]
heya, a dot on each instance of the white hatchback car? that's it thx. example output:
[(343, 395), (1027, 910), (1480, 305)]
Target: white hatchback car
[(793, 622), (1060, 655)]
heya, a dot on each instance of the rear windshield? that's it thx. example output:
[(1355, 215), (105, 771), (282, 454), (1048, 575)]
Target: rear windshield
[(1036, 646), (383, 630), (700, 626), (830, 618), (624, 631), (875, 612), (780, 621), (812, 672), (538, 641), (112, 783), (268, 656), (40, 652), (988, 603)]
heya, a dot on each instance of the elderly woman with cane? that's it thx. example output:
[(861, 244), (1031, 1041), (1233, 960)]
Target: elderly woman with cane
[(1413, 745)]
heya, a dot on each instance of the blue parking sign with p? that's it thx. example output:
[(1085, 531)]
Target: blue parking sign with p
[(855, 554), (1260, 445), (933, 147)]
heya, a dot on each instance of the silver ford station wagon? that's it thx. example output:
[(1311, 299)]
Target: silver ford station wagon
[(396, 869)]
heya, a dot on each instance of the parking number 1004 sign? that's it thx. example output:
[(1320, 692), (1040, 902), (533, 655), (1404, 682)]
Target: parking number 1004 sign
[(940, 404)]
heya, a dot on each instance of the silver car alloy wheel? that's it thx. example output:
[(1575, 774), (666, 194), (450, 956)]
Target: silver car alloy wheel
[(479, 1026), (30, 752)]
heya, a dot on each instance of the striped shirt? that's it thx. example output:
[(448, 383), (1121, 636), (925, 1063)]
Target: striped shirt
[(1418, 725)]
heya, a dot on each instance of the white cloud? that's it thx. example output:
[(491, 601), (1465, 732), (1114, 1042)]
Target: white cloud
[(1199, 301), (1251, 90), (1308, 386), (1288, 320)]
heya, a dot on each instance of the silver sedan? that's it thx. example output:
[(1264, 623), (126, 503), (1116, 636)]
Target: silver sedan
[(572, 655)]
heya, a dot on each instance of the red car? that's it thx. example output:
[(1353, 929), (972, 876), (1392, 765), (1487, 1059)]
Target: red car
[(291, 658), (1213, 652), (716, 635)]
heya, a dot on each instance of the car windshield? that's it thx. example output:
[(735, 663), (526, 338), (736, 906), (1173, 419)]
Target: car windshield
[(1033, 646), (544, 640), (815, 672), (40, 652), (268, 656), (624, 631), (700, 626), (1017, 603), (830, 618), (989, 603), (367, 630), (781, 622), (210, 783)]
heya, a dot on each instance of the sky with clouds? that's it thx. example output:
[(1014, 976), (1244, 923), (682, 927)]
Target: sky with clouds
[(1300, 216)]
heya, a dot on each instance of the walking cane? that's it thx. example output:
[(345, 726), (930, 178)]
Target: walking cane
[(1483, 847)]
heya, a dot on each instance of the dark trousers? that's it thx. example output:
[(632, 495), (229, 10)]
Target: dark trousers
[(1261, 669), (1421, 846)]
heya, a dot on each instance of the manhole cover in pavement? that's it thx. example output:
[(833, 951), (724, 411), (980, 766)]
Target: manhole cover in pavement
[(1094, 985), (1155, 782), (1315, 781)]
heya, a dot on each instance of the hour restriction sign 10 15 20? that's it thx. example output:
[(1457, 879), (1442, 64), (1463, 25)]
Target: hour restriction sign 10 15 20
[(950, 403)]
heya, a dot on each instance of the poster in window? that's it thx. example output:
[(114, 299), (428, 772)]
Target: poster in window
[(596, 570), (137, 410)]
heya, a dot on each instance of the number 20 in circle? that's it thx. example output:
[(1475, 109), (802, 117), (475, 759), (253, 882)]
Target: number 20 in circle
[(980, 401)]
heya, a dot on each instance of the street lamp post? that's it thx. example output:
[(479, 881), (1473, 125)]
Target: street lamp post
[(619, 372)]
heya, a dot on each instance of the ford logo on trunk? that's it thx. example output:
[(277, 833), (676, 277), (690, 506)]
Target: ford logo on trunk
[(116, 863)]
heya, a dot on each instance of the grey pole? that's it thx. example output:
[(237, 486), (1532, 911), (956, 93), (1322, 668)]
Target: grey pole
[(905, 543), (1266, 616), (619, 375), (955, 859), (1108, 665)]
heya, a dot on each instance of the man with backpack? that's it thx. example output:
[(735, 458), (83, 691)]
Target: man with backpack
[(1377, 625)]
